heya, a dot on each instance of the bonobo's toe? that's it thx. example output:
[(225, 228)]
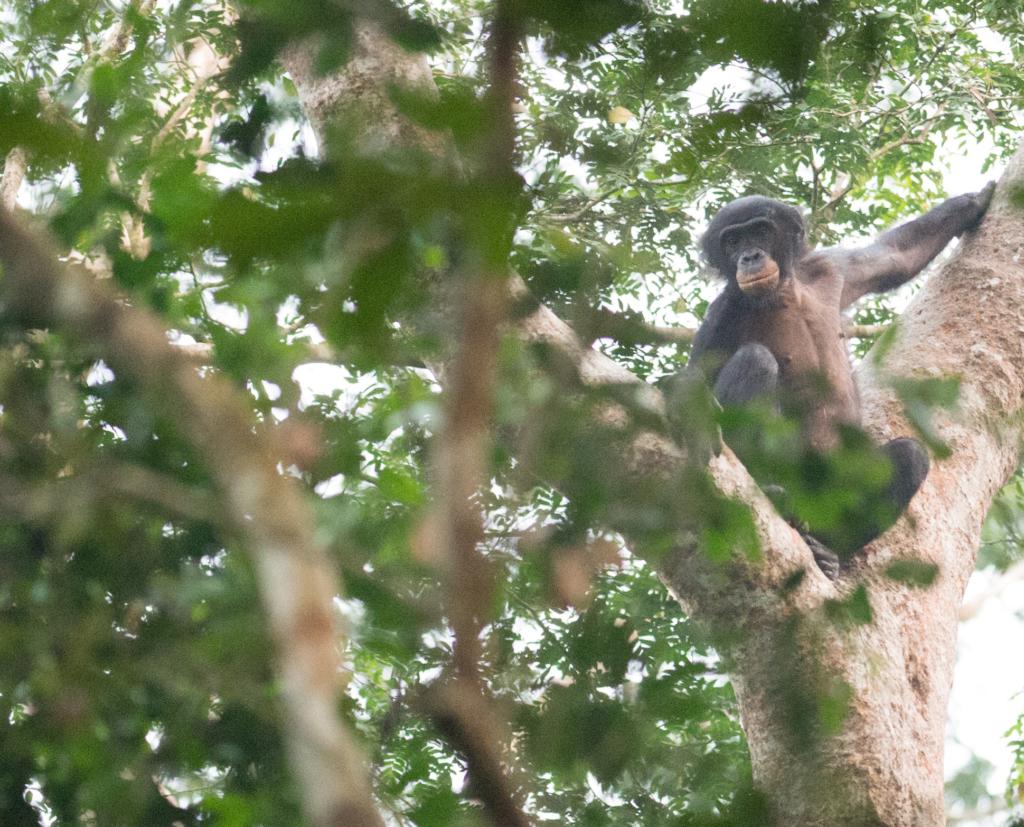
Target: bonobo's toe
[(827, 560)]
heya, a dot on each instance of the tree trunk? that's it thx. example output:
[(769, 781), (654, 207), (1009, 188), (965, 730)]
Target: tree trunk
[(845, 721), (893, 674)]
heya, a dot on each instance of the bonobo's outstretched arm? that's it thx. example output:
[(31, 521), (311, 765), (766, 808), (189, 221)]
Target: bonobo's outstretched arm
[(899, 254)]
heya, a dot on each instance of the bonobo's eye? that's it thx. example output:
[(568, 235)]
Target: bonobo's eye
[(731, 243), (759, 233)]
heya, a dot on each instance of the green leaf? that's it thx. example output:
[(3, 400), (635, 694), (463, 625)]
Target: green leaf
[(911, 572), (854, 610)]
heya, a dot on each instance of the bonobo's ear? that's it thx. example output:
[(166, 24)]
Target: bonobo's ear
[(712, 253)]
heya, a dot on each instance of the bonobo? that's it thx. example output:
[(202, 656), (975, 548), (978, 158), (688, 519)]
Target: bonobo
[(774, 336)]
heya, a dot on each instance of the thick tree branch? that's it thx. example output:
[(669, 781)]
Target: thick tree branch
[(966, 322), (298, 585)]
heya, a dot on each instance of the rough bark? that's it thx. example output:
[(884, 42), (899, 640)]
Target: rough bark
[(884, 764)]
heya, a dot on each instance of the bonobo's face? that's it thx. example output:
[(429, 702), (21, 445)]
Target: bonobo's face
[(750, 250), (754, 242)]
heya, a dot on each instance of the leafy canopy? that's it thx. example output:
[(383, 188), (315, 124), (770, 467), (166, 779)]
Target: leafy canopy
[(166, 147)]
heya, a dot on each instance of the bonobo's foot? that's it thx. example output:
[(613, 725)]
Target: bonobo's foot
[(910, 466), (827, 560)]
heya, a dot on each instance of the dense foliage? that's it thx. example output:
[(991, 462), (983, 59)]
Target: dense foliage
[(165, 148)]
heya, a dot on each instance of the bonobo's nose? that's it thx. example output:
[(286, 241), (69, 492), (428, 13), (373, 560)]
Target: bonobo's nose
[(751, 258)]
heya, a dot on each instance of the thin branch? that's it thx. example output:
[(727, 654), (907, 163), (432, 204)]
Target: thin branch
[(117, 37), (588, 205), (849, 181), (864, 331), (205, 64), (462, 707), (201, 353), (47, 500), (136, 482), (631, 329)]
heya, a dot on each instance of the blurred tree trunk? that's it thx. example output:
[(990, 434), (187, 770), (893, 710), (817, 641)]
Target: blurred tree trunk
[(845, 720)]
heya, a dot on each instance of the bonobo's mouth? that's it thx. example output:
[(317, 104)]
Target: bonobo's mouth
[(759, 281)]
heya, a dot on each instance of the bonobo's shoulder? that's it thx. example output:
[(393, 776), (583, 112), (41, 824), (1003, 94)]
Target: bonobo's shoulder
[(818, 271), (815, 266)]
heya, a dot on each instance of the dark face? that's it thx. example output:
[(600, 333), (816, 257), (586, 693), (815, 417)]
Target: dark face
[(750, 250), (754, 242)]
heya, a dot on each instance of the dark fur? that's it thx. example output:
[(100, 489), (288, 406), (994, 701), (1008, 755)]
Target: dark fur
[(785, 343)]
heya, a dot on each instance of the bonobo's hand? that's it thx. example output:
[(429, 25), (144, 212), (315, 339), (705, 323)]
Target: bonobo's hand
[(976, 205), (692, 414)]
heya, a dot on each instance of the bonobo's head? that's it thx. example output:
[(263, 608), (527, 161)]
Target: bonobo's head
[(753, 242)]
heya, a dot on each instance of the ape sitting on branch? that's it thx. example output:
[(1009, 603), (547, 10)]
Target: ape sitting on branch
[(775, 336)]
